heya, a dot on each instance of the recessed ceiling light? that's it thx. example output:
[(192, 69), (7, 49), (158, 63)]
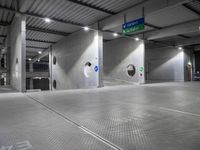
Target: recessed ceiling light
[(38, 60), (137, 39), (115, 34), (39, 52), (47, 20), (86, 28), (180, 48), (29, 59)]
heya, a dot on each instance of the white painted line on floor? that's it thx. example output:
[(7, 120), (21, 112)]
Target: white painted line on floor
[(178, 111), (98, 137)]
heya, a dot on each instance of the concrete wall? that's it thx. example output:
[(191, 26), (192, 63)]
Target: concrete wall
[(165, 64), (72, 53), (118, 54), (18, 53)]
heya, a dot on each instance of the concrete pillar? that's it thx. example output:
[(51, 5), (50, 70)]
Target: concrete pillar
[(121, 56), (31, 79), (100, 49), (8, 49), (165, 64), (141, 61), (18, 53), (78, 63), (50, 69)]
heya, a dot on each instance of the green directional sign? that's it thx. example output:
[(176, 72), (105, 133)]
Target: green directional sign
[(133, 26), (141, 69)]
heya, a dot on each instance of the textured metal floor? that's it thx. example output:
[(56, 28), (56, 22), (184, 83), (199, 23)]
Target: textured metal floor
[(6, 89), (26, 124), (151, 117), (115, 82)]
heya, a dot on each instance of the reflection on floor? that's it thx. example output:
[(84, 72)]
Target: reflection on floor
[(115, 82), (148, 117)]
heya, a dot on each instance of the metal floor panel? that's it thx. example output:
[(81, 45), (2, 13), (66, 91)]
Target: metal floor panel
[(150, 117), (114, 82), (6, 89), (26, 124)]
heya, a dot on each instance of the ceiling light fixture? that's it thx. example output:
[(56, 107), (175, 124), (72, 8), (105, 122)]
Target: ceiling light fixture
[(39, 52), (29, 59), (86, 28), (47, 20), (180, 48), (115, 34), (137, 39)]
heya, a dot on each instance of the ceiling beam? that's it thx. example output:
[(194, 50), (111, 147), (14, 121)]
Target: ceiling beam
[(47, 31), (182, 28), (92, 6), (184, 36), (42, 41), (38, 29), (158, 28), (186, 42), (3, 36), (152, 26), (34, 47)]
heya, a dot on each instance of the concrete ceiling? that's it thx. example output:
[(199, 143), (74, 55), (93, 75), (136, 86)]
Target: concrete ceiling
[(171, 16), (69, 16)]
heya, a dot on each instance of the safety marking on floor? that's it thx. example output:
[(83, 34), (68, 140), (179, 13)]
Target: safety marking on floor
[(100, 138), (178, 111), (86, 130), (24, 145)]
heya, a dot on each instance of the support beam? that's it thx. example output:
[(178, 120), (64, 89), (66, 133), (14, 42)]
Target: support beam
[(3, 36), (152, 26), (47, 31), (191, 41), (158, 28), (42, 48), (183, 28), (42, 41), (184, 36), (38, 29)]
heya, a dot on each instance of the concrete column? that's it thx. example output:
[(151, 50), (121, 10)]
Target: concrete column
[(100, 46), (31, 79), (30, 67), (18, 53), (50, 69), (73, 54), (141, 61), (0, 58), (119, 55), (8, 49)]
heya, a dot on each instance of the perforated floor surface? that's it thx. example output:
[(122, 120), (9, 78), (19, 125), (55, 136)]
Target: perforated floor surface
[(150, 117)]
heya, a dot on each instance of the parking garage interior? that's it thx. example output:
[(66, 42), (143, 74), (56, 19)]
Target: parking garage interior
[(99, 75)]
